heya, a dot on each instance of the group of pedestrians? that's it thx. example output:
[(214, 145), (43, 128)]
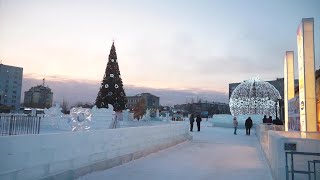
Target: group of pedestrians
[(248, 124), (198, 120), (267, 120)]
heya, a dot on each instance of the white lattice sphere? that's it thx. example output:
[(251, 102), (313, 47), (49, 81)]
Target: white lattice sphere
[(254, 96)]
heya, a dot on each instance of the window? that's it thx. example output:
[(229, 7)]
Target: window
[(14, 92)]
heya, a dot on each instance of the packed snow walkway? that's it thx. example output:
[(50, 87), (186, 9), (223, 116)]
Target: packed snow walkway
[(214, 153)]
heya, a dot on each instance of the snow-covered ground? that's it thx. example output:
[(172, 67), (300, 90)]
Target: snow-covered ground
[(214, 153)]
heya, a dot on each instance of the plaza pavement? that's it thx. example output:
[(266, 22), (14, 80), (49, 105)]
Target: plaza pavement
[(214, 153)]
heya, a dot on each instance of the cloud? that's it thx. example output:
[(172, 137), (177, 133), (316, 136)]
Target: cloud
[(74, 91), (174, 96)]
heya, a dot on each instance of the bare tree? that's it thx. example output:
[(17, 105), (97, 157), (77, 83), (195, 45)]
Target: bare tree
[(199, 100), (192, 100), (65, 107), (139, 109)]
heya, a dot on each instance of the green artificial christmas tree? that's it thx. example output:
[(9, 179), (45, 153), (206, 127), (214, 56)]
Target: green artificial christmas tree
[(111, 89)]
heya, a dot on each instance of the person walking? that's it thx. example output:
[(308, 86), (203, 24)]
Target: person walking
[(191, 122), (248, 125), (198, 122), (265, 119), (235, 125), (277, 121), (269, 120)]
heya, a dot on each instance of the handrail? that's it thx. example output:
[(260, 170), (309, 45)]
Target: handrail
[(303, 153), (293, 171)]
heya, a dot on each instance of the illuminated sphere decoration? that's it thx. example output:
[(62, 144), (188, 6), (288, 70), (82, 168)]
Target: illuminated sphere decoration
[(254, 96)]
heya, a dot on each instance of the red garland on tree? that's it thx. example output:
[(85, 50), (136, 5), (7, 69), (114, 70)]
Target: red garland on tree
[(111, 90)]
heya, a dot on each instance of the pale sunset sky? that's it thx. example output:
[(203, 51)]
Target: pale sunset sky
[(168, 46)]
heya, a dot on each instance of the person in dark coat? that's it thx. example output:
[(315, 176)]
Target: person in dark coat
[(277, 121), (191, 122), (265, 119), (269, 120), (198, 122), (248, 125)]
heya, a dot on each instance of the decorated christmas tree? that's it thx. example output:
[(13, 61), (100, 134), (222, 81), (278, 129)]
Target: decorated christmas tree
[(111, 89)]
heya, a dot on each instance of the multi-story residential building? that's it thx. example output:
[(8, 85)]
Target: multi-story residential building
[(38, 97), (10, 88), (151, 101)]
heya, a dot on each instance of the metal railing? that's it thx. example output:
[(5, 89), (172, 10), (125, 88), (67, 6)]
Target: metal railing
[(19, 124), (316, 169), (313, 166)]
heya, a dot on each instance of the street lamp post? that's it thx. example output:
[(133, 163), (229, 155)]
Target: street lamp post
[(276, 109), (281, 109), (280, 103), (1, 97)]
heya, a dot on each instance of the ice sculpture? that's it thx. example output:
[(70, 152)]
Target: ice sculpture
[(53, 115), (80, 119)]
